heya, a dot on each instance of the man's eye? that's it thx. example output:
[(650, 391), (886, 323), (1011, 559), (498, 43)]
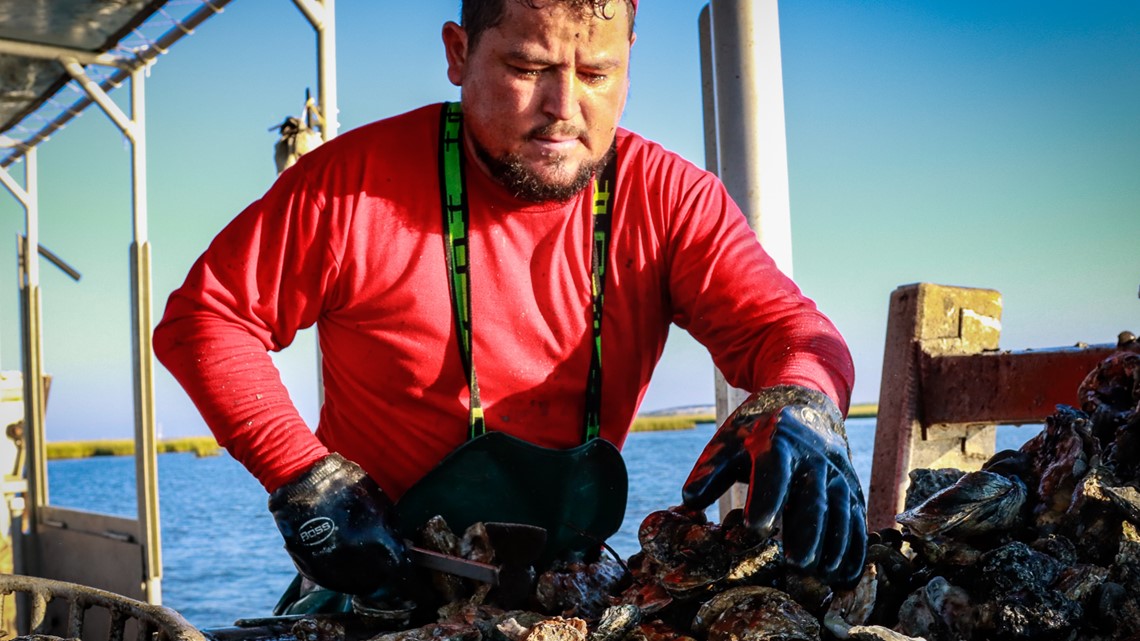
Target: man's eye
[(594, 78), (527, 72)]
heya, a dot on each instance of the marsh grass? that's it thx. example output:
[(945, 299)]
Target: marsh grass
[(200, 445), (663, 423), (689, 421)]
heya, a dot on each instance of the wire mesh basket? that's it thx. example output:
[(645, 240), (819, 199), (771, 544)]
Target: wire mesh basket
[(89, 613)]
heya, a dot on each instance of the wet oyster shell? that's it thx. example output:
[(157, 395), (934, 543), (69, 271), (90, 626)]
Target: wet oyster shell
[(1015, 567), (925, 483), (579, 589), (616, 623), (1060, 456), (755, 613), (1037, 615), (657, 631), (938, 611), (978, 503), (878, 633)]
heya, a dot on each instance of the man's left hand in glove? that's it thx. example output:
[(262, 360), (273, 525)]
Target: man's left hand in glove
[(338, 529), (788, 444)]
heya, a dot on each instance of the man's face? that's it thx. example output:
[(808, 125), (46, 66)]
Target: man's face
[(542, 94)]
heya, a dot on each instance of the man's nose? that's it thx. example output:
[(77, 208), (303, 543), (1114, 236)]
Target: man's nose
[(560, 95)]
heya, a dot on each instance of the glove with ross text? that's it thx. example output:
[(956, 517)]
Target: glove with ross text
[(789, 445), (337, 527)]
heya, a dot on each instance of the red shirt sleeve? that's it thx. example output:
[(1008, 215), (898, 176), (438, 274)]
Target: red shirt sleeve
[(729, 294), (258, 283)]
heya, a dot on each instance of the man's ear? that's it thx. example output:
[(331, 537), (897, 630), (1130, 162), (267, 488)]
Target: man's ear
[(455, 46)]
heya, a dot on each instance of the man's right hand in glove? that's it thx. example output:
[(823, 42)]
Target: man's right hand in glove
[(337, 527)]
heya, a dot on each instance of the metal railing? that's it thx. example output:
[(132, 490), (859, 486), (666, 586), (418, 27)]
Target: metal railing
[(148, 621)]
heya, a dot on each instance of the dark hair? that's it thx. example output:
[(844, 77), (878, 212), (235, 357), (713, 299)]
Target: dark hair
[(478, 16)]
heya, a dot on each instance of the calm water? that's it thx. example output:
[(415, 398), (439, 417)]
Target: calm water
[(222, 556)]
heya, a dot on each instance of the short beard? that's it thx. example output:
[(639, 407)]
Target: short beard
[(511, 172)]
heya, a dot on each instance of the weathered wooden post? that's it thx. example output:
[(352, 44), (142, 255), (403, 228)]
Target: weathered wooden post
[(946, 387), (933, 320)]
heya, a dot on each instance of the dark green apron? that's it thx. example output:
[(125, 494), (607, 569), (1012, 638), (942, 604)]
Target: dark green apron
[(578, 495)]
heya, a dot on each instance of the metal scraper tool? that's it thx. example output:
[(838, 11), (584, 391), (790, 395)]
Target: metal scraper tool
[(516, 546)]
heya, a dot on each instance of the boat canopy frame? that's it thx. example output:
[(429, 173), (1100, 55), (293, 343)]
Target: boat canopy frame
[(54, 64)]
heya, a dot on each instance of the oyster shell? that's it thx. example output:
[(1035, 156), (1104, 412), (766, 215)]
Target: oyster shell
[(978, 503), (755, 613), (579, 589), (938, 611), (616, 623)]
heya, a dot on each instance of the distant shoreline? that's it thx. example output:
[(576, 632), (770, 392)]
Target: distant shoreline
[(206, 445), (682, 419), (200, 445)]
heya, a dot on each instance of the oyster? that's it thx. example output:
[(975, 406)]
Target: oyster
[(1060, 456), (554, 629), (1037, 615), (690, 559), (309, 629), (1111, 392), (579, 589), (1015, 568), (978, 503), (937, 611), (755, 613), (877, 633), (924, 483), (435, 535), (657, 631), (616, 623), (853, 607)]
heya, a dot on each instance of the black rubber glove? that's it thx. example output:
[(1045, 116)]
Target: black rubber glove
[(789, 445), (336, 525)]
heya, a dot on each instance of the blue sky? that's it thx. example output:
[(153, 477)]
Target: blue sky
[(967, 143)]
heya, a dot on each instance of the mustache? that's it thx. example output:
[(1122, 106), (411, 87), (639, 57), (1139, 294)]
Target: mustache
[(560, 129)]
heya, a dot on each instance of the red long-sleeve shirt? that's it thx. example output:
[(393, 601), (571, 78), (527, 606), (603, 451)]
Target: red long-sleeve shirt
[(350, 239)]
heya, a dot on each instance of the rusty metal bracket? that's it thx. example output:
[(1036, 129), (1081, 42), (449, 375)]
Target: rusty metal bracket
[(1009, 388)]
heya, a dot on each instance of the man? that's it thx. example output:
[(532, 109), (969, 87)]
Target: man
[(454, 261)]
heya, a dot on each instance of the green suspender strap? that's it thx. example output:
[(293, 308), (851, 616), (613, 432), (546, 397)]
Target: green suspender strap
[(457, 249)]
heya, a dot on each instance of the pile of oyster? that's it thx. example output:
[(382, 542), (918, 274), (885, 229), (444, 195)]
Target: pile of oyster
[(1042, 543)]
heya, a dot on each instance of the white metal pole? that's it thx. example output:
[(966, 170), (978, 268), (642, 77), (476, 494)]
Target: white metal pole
[(742, 38), (750, 118), (321, 14), (32, 218), (146, 452), (33, 346), (326, 78)]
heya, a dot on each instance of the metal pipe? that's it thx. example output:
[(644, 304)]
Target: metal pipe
[(96, 93), (146, 450), (60, 263), (326, 74), (753, 157), (33, 346), (321, 14), (708, 88), (144, 57), (51, 52), (32, 217)]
